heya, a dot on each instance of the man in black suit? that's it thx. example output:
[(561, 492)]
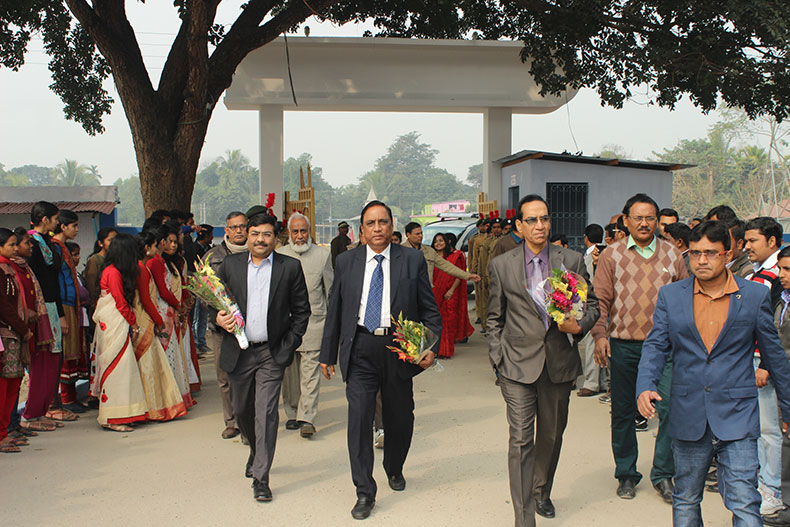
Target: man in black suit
[(271, 292), (373, 282)]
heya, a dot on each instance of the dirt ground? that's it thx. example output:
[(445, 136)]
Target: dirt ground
[(183, 473)]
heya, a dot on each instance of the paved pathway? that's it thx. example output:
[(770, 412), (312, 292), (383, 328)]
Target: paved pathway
[(183, 473)]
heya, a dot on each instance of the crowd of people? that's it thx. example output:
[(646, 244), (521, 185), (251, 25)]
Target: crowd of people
[(123, 323), (686, 323)]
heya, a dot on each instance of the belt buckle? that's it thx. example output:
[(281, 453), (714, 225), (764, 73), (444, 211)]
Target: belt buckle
[(380, 332)]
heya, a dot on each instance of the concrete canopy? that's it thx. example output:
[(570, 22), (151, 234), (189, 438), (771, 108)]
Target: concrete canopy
[(388, 75)]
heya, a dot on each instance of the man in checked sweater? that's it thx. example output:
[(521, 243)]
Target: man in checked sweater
[(629, 274)]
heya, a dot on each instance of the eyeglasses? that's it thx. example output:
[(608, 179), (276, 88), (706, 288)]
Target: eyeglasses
[(640, 219), (532, 220), (709, 255), (241, 227)]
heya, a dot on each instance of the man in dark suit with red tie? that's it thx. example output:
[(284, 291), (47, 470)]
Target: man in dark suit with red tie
[(372, 283)]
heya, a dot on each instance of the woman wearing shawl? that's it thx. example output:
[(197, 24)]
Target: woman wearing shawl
[(164, 276), (450, 294), (15, 331), (75, 359), (46, 264), (44, 365), (117, 382), (161, 391), (95, 262)]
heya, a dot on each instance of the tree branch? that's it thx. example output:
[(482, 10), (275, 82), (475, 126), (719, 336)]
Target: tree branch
[(242, 39)]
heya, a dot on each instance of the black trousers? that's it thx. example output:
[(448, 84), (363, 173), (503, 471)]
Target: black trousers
[(372, 368)]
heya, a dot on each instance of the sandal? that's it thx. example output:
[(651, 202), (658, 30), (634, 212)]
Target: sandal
[(119, 428), (19, 441), (25, 432), (50, 422), (8, 447), (37, 426), (59, 414)]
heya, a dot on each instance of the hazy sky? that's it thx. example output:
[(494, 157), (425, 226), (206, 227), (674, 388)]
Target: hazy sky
[(345, 145)]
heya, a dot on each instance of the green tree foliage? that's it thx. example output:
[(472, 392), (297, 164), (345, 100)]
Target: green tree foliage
[(226, 184), (12, 179), (728, 170), (727, 50), (475, 177), (130, 209), (72, 174), (34, 175)]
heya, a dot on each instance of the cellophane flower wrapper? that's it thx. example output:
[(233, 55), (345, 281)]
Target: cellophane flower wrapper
[(413, 339), (206, 285), (565, 295)]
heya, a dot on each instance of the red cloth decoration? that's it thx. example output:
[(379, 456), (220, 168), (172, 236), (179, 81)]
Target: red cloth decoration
[(269, 200)]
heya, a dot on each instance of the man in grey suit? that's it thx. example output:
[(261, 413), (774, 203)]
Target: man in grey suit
[(272, 296), (537, 360), (372, 283)]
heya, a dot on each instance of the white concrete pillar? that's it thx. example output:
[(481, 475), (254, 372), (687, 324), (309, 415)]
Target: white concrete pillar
[(270, 135), (497, 137)]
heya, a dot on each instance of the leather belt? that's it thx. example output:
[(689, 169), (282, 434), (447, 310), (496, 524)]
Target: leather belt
[(379, 332), (256, 344)]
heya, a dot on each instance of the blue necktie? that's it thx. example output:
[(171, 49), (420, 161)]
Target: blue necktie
[(373, 308)]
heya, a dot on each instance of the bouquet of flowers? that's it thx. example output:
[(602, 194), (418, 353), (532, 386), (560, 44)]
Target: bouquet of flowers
[(565, 294), (414, 340), (205, 284)]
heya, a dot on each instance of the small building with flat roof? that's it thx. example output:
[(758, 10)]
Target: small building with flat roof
[(582, 189), (95, 206)]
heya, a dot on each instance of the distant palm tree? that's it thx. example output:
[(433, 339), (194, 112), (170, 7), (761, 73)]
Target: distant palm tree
[(71, 174)]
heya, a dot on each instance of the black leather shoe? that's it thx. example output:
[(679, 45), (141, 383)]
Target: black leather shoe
[(626, 490), (545, 508), (248, 471), (665, 489), (397, 482), (362, 508), (306, 429), (261, 491), (292, 424)]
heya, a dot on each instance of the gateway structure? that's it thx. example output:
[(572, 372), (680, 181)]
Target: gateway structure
[(388, 75)]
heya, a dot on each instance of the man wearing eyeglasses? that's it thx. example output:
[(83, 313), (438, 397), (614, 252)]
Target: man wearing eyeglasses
[(235, 242), (709, 325), (629, 274), (536, 358), (763, 240)]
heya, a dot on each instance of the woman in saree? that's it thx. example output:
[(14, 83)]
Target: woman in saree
[(43, 368), (168, 303), (117, 382), (15, 331), (162, 396), (450, 294), (46, 264), (184, 325)]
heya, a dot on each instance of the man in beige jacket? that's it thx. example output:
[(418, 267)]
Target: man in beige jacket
[(414, 240), (302, 378)]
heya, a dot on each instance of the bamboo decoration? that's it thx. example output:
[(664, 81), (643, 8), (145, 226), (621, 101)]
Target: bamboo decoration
[(305, 202)]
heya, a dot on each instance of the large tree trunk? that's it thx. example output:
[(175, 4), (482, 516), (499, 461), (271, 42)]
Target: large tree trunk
[(167, 172), (169, 123)]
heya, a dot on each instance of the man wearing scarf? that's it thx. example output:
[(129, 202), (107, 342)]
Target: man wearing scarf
[(303, 376), (235, 242)]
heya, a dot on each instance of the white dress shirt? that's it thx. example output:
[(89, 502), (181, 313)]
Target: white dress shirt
[(259, 278), (370, 266)]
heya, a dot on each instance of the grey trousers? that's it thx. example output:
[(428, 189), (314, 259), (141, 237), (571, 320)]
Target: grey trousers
[(534, 448), (595, 377), (214, 340), (255, 383), (301, 385)]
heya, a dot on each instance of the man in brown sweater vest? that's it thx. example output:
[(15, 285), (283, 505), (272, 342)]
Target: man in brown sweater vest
[(629, 274)]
